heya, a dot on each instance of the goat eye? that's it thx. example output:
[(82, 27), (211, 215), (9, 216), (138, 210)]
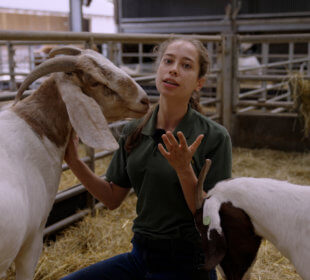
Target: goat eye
[(95, 84)]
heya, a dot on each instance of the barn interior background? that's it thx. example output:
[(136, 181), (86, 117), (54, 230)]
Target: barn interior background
[(258, 86)]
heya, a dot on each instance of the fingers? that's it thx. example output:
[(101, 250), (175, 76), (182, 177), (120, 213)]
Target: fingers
[(171, 142), (177, 152), (163, 151), (196, 143)]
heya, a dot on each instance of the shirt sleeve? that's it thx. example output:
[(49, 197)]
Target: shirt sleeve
[(221, 166), (117, 170)]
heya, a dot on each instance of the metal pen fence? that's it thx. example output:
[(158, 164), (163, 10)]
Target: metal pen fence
[(30, 46), (232, 88), (270, 92)]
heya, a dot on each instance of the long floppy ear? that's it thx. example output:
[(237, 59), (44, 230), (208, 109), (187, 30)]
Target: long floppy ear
[(213, 244), (86, 117), (215, 249)]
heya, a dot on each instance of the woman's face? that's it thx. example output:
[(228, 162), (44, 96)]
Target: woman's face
[(177, 74)]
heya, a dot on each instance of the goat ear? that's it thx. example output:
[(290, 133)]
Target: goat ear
[(213, 243), (214, 249), (86, 117)]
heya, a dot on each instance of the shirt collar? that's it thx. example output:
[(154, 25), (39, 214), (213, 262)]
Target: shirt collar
[(185, 124)]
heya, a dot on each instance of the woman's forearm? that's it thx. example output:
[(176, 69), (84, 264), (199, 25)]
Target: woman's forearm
[(108, 193), (188, 181)]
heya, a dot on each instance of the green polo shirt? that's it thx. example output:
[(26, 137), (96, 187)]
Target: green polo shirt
[(161, 208)]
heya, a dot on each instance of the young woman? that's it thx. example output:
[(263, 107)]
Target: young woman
[(160, 157)]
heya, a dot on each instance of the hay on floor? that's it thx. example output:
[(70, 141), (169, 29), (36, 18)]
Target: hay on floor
[(109, 232)]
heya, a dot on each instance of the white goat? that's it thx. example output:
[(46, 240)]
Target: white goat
[(247, 63), (239, 212), (34, 135)]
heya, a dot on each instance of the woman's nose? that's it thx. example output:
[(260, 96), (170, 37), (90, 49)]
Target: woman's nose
[(173, 70)]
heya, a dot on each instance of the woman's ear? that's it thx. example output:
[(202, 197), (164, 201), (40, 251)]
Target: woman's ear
[(200, 83)]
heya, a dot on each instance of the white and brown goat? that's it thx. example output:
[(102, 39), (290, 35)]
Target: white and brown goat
[(239, 212), (86, 93)]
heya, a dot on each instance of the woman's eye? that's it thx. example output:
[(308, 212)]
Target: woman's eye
[(187, 66), (167, 60)]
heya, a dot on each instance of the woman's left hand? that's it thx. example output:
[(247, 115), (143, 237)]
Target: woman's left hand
[(178, 154)]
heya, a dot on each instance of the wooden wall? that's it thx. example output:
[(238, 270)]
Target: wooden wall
[(33, 22)]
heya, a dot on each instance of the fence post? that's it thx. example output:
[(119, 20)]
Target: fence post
[(308, 67), (11, 53), (227, 81), (230, 65), (265, 60)]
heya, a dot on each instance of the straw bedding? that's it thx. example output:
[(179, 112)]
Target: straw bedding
[(109, 232), (300, 90)]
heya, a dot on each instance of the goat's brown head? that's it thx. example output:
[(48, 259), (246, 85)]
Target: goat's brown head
[(94, 90), (213, 244)]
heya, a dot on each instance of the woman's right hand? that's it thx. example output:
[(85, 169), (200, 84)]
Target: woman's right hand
[(71, 153)]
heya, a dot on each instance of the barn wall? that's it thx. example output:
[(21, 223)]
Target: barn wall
[(177, 8), (280, 133), (16, 21), (208, 16)]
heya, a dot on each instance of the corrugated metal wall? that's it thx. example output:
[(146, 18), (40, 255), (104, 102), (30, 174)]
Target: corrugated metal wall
[(174, 8), (274, 6), (171, 8)]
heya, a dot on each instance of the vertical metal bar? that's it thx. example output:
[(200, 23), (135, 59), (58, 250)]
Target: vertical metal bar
[(308, 66), (89, 44), (91, 201), (290, 56), (119, 49), (290, 66), (234, 73), (111, 51), (210, 53), (140, 56), (31, 58), (105, 49), (76, 15), (227, 81), (219, 80), (119, 8), (265, 59), (1, 60), (11, 53)]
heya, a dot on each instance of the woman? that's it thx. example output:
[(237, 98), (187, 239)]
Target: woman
[(160, 156)]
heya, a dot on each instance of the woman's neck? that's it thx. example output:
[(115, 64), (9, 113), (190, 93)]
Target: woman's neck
[(170, 115)]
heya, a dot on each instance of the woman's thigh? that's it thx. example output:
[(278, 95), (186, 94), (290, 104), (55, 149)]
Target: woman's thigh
[(132, 266), (120, 267)]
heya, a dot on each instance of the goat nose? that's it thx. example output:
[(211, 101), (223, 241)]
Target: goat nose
[(145, 101)]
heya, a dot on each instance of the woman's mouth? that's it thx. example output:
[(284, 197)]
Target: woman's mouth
[(170, 83)]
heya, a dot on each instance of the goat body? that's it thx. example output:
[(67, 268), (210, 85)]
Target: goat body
[(30, 170), (239, 212), (34, 136)]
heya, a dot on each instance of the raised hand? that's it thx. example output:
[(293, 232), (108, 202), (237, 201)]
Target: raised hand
[(178, 154)]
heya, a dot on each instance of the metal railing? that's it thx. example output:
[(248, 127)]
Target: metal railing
[(271, 93), (111, 46), (230, 90)]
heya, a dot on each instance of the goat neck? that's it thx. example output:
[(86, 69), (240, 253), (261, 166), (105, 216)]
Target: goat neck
[(45, 112)]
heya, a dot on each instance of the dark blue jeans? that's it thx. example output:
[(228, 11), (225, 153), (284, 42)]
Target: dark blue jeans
[(133, 266)]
